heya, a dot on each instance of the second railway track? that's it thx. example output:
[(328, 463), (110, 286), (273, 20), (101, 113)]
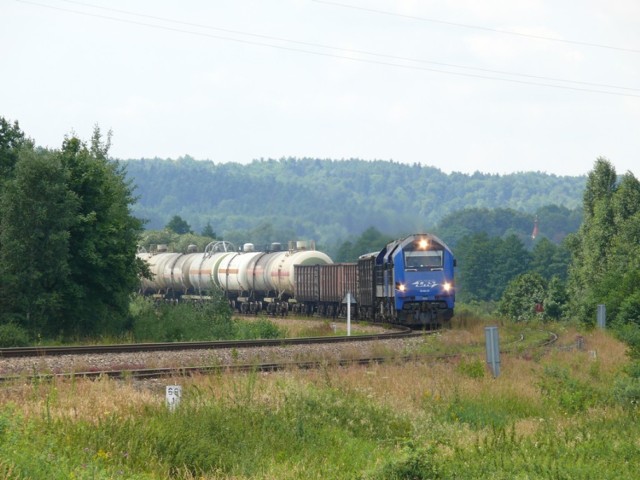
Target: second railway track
[(41, 351)]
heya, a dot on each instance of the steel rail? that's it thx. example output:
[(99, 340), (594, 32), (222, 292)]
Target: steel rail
[(152, 373), (41, 351)]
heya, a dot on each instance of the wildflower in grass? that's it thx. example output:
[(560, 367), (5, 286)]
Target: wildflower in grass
[(102, 455)]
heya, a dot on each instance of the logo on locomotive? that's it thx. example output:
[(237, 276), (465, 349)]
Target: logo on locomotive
[(424, 283)]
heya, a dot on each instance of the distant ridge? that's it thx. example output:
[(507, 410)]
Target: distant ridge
[(330, 199)]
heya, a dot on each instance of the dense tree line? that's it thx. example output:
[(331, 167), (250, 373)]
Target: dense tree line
[(67, 237), (553, 222), (354, 207), (371, 240), (572, 259), (335, 201), (177, 236), (486, 265), (605, 267)]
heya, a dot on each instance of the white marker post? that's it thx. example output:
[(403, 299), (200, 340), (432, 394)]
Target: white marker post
[(174, 393), (348, 314)]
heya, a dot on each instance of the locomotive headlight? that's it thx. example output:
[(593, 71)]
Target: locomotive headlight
[(446, 286), (423, 244), (400, 287)]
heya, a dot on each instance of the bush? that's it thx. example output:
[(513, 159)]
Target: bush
[(521, 296), (471, 368), (570, 394), (626, 392), (409, 465), (12, 335), (261, 328), (630, 334), (629, 312), (184, 322)]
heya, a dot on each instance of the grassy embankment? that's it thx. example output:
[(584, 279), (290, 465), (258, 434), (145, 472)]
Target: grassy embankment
[(550, 414)]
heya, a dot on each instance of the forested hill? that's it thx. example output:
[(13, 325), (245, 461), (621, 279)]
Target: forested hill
[(329, 200)]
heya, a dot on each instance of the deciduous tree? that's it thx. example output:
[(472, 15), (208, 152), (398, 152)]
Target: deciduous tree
[(38, 211), (605, 251), (103, 238), (67, 239), (524, 297), (12, 139), (178, 225)]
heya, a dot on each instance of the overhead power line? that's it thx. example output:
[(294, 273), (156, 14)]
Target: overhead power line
[(335, 55), (359, 52), (478, 27)]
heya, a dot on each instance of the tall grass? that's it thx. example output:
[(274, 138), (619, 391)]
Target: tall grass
[(552, 416)]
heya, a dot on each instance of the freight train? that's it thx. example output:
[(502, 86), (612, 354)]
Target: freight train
[(409, 282)]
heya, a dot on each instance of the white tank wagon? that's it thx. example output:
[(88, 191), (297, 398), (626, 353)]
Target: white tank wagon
[(281, 270), (161, 266), (202, 277), (252, 281)]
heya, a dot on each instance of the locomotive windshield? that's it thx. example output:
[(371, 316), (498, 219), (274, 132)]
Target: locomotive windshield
[(421, 260)]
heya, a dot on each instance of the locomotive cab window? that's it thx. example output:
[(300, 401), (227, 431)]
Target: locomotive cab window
[(419, 261)]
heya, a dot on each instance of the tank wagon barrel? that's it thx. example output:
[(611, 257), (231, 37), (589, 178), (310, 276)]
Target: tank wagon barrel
[(252, 280)]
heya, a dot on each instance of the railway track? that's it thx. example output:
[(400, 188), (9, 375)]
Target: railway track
[(41, 351), (151, 373), (141, 373)]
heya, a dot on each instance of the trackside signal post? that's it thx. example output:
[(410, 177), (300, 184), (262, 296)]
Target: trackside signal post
[(493, 349), (348, 298), (602, 316), (349, 314)]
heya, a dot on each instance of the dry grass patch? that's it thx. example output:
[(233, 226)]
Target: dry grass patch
[(79, 399), (459, 338), (310, 326)]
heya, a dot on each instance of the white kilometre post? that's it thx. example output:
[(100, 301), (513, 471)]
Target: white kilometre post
[(174, 393)]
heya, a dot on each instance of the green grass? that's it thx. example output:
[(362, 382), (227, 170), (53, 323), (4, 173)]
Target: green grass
[(321, 432), (561, 415), (318, 433)]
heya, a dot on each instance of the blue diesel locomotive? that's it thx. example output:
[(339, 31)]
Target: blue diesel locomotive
[(414, 281), (409, 282)]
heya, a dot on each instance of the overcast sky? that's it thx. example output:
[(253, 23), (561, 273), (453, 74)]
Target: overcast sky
[(492, 86)]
